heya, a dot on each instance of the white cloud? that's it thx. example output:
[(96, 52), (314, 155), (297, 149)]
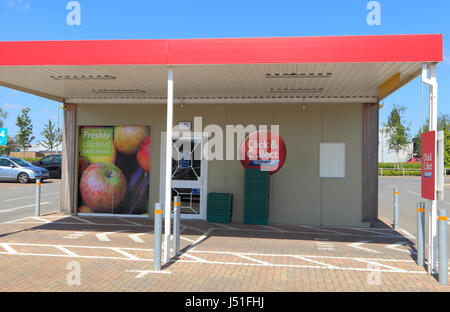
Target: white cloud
[(7, 106), (21, 5)]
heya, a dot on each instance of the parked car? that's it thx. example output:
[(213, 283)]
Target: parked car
[(414, 161), (52, 163), (16, 169)]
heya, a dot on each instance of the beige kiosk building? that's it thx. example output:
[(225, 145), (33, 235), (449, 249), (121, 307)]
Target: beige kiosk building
[(322, 92)]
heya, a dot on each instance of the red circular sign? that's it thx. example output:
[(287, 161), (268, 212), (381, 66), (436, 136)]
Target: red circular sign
[(263, 150)]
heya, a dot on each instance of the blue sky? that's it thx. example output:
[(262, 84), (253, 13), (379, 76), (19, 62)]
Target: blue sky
[(22, 20)]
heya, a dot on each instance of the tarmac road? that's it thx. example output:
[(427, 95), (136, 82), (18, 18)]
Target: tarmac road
[(18, 201), (410, 189)]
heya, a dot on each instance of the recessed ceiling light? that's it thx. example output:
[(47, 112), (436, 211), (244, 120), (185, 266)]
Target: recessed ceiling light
[(299, 75), (118, 91), (83, 77)]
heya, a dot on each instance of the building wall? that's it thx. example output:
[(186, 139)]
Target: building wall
[(298, 194), (387, 156)]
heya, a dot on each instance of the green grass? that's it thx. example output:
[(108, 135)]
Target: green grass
[(399, 173), (402, 165), (32, 159)]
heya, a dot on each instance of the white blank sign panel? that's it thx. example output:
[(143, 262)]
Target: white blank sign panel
[(332, 160)]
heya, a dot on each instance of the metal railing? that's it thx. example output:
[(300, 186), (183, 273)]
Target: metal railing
[(404, 170)]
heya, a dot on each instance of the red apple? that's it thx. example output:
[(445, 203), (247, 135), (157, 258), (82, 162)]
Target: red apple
[(128, 139), (143, 156), (85, 209), (103, 187), (83, 164)]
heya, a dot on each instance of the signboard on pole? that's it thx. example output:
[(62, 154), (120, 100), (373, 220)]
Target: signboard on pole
[(3, 136), (429, 165)]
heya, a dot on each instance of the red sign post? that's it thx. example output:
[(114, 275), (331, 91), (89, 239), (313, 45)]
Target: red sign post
[(429, 165)]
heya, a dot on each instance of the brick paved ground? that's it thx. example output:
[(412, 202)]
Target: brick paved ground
[(116, 254)]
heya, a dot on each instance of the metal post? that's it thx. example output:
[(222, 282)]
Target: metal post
[(168, 176), (176, 226), (157, 238), (432, 125), (396, 208), (420, 233), (37, 210), (443, 252)]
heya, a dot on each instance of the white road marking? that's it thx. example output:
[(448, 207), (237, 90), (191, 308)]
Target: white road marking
[(124, 253), (9, 249), (187, 239), (323, 230), (103, 237), (67, 251), (407, 234), (143, 273), (126, 220), (272, 228), (251, 259), (28, 197), (41, 219), (226, 226), (195, 258), (82, 220), (324, 245), (75, 235), (201, 239), (414, 193), (396, 245), (22, 207), (316, 262), (136, 237), (323, 265), (358, 245), (382, 265)]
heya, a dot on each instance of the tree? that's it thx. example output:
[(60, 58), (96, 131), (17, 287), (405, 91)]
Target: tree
[(3, 116), (444, 125), (53, 137), (9, 147), (398, 137), (25, 135)]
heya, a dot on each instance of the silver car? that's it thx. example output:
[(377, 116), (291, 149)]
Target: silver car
[(16, 169)]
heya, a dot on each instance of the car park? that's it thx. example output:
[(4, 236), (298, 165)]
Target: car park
[(16, 169), (52, 163), (414, 161)]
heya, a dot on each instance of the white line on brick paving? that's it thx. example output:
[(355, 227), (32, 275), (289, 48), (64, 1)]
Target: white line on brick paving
[(103, 237), (325, 231), (251, 259), (358, 245), (22, 207), (28, 197), (143, 273), (127, 220), (82, 220), (396, 245), (226, 226), (137, 238), (272, 228), (129, 257)]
